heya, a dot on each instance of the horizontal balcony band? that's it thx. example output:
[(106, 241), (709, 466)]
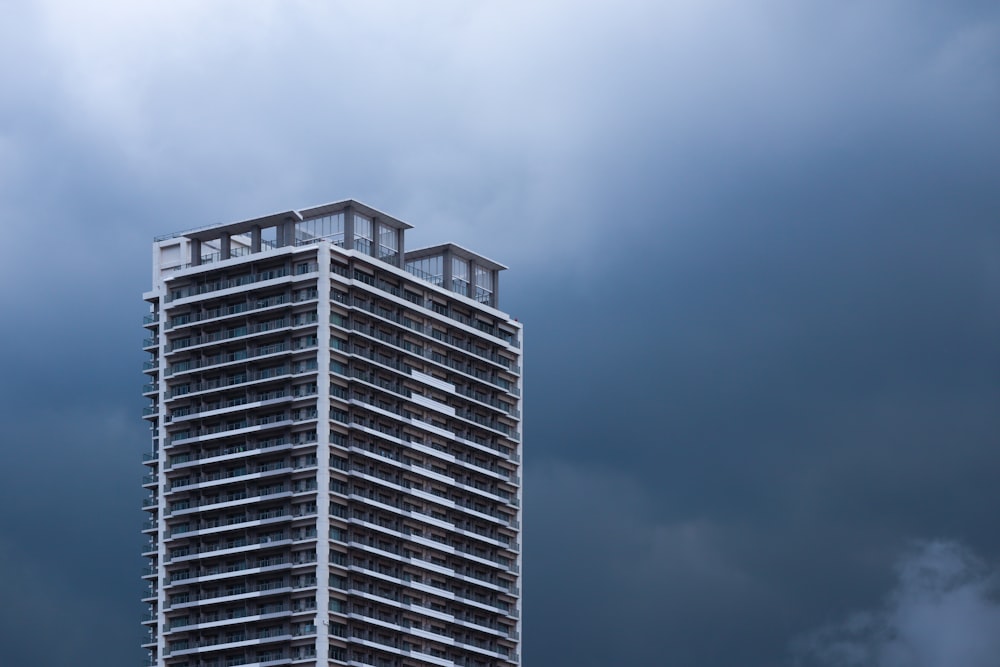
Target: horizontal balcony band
[(245, 547), (432, 333), (448, 503), (443, 362), (237, 620), (284, 373), (274, 611), (261, 424), (266, 352), (496, 496), (243, 450), (203, 600), (447, 549), (250, 523), (421, 425), (508, 588), (267, 470), (219, 315), (277, 494), (260, 400), (414, 654), (241, 334), (420, 400), (268, 278), (219, 576), (464, 624), (226, 645), (424, 518), (404, 533), (476, 443), (430, 635), (370, 451), (424, 310)]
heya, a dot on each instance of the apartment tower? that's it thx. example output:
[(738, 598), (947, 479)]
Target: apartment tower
[(334, 473)]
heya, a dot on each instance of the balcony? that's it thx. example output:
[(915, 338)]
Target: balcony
[(219, 360), (233, 593), (242, 281), (446, 312), (244, 474), (402, 345), (280, 372), (235, 310), (236, 451), (240, 545), (279, 491), (243, 425)]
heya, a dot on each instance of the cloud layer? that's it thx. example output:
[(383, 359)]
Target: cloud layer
[(944, 611), (754, 246)]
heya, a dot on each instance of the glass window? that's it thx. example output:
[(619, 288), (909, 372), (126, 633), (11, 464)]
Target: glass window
[(430, 269), (328, 227), (460, 275), (388, 242), (362, 233), (484, 285)]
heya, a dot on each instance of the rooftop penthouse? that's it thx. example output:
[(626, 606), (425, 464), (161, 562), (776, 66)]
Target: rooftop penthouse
[(349, 225)]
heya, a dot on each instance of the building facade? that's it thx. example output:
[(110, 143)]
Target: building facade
[(334, 475)]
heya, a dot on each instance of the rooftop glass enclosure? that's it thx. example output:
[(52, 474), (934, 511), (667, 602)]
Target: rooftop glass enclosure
[(458, 270), (347, 224)]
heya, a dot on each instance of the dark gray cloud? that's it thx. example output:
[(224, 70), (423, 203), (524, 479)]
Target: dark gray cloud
[(754, 246)]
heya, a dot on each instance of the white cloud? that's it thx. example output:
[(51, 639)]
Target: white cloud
[(944, 612)]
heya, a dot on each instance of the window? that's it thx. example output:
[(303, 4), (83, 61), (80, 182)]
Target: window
[(328, 227), (363, 233), (460, 275), (430, 269), (484, 286), (388, 243)]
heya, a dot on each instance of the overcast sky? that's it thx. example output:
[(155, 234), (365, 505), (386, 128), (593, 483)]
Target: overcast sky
[(754, 244)]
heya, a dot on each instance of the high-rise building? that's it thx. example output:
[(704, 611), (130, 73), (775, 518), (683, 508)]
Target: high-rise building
[(334, 476)]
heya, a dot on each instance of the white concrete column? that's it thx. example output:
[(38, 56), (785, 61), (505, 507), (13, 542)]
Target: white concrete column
[(323, 458)]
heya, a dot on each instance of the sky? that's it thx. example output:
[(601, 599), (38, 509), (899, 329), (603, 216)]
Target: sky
[(754, 245)]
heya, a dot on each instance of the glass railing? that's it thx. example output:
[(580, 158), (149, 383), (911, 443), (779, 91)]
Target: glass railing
[(249, 279), (454, 341), (420, 351), (237, 309)]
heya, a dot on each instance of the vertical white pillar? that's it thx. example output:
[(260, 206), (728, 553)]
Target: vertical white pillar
[(323, 458)]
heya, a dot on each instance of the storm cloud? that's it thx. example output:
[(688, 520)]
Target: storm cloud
[(754, 245)]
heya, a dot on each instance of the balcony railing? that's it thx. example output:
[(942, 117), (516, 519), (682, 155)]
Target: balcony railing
[(218, 285)]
